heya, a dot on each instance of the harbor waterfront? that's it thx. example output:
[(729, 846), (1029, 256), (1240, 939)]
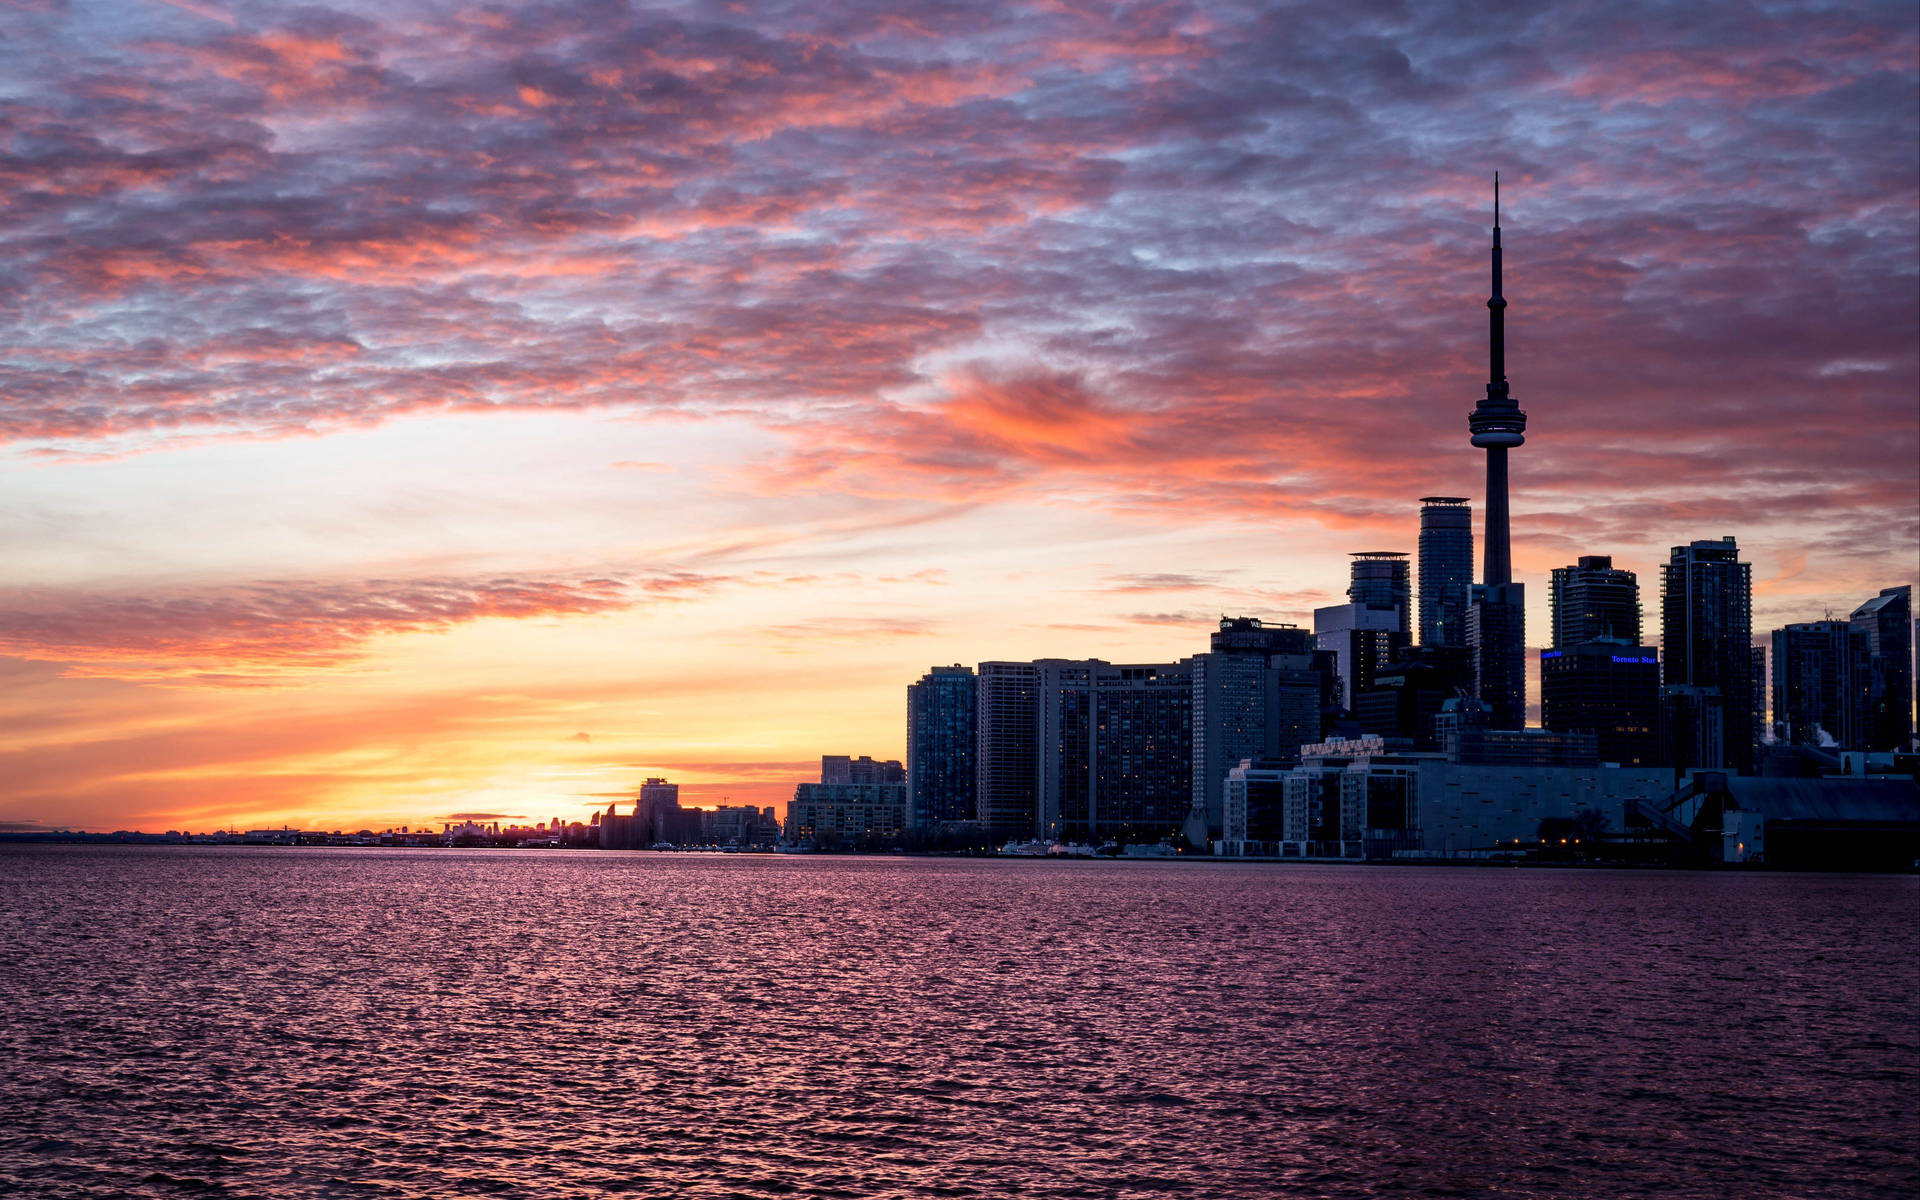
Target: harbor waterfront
[(317, 1021)]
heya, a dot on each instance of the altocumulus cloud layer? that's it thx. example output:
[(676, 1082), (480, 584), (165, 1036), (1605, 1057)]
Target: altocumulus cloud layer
[(1178, 261)]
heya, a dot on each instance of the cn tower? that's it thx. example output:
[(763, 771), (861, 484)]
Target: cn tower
[(1497, 423), (1496, 617)]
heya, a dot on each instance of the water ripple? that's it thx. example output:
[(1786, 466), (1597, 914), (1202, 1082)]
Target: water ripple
[(269, 1023)]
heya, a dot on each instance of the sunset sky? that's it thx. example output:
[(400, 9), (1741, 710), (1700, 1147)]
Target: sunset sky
[(413, 409)]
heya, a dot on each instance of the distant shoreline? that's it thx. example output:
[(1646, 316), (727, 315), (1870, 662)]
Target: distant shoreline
[(156, 840)]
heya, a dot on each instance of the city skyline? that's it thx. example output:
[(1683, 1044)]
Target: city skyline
[(690, 460)]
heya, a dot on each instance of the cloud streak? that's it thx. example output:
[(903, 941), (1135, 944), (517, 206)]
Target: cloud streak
[(278, 630)]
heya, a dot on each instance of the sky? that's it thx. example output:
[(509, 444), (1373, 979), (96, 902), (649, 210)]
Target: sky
[(411, 409)]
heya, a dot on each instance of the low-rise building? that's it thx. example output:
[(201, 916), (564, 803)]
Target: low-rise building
[(738, 825), (1374, 797), (826, 814)]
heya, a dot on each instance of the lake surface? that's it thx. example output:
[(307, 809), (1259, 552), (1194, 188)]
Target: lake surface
[(312, 1022)]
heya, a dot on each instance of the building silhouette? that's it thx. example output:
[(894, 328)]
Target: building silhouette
[(1114, 747), (1496, 636), (841, 768), (1594, 599), (942, 739), (1820, 685), (1597, 678), (1887, 623), (1407, 695), (1259, 692), (1446, 569), (846, 814), (1706, 642), (1379, 578), (1366, 634), (1005, 751), (1496, 619), (657, 817), (1608, 688)]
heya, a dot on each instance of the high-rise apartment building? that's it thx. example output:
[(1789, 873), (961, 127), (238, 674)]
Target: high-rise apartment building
[(1497, 640), (1382, 578), (942, 740), (1257, 693), (1446, 569), (1594, 599), (1115, 747), (1364, 640), (1887, 623), (1005, 759), (1597, 678), (1821, 685), (1706, 638)]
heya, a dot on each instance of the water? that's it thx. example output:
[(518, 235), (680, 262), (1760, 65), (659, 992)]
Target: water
[(259, 1022)]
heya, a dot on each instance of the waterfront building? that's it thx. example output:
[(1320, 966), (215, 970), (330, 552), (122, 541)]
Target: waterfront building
[(1706, 639), (657, 792), (1594, 600), (1446, 569), (1820, 685), (1257, 693), (942, 739), (841, 768), (1253, 808), (738, 825), (1006, 758), (1886, 622), (1609, 688), (1347, 798), (846, 814), (616, 832), (658, 817), (1114, 746), (1496, 616), (1375, 798)]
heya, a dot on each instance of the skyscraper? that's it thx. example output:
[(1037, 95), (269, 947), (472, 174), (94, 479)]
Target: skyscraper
[(1607, 687), (1115, 749), (1370, 630), (1006, 694), (1886, 621), (1446, 569), (1706, 636), (1363, 639), (1380, 578), (1256, 694), (1496, 623), (1594, 599), (1820, 684), (942, 739), (1598, 678)]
